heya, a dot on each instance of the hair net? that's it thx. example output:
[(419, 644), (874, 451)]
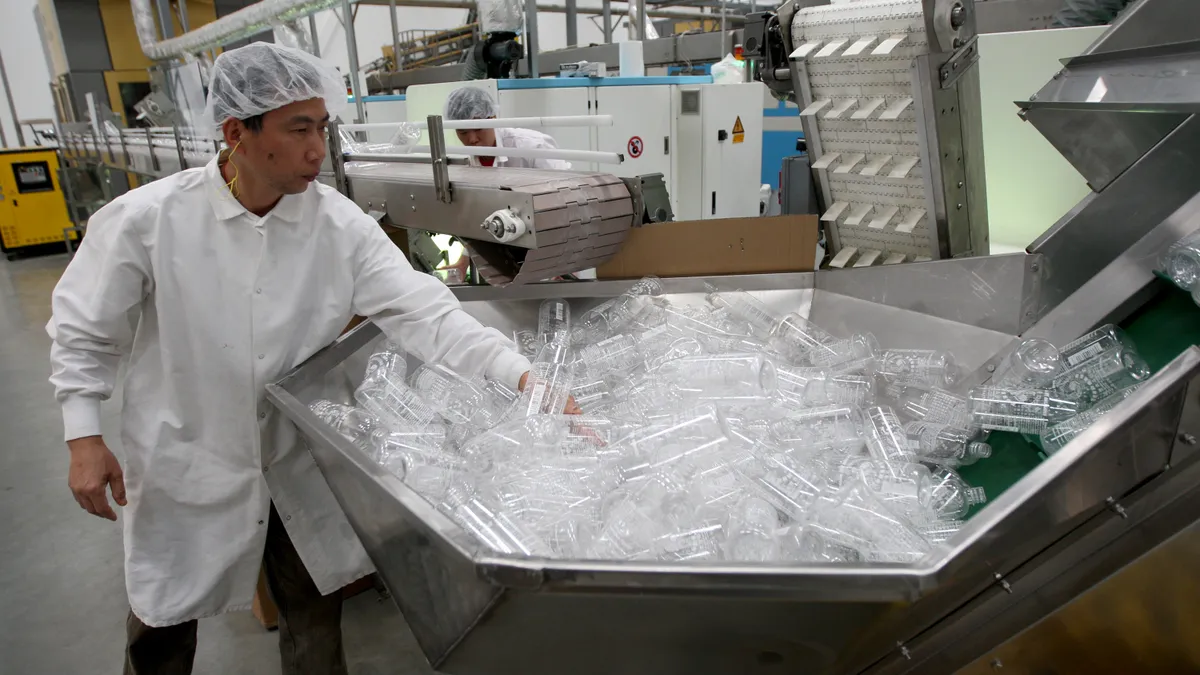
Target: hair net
[(262, 77), (470, 103)]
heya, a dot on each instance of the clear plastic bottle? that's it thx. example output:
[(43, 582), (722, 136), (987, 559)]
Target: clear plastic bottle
[(395, 403), (885, 436), (1034, 362), (493, 528), (554, 317), (930, 367), (757, 316), (950, 497), (1101, 376), (807, 544), (944, 444), (1054, 438), (618, 353), (752, 374), (752, 532), (388, 360), (934, 404), (683, 436), (862, 347), (793, 380), (825, 427), (785, 481), (1018, 410), (1181, 262), (549, 384), (590, 392), (1105, 338), (355, 424), (939, 531), (456, 398), (855, 517), (849, 390), (527, 343), (696, 539), (801, 335)]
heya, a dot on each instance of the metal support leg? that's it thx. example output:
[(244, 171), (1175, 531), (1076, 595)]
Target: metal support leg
[(398, 62), (181, 10), (352, 53), (641, 20), (531, 38), (179, 148), (606, 12), (723, 20), (437, 152), (12, 108), (153, 157), (572, 23), (337, 159), (164, 19), (316, 39)]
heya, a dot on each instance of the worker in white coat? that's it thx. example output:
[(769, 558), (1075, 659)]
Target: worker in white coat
[(473, 103), (214, 282)]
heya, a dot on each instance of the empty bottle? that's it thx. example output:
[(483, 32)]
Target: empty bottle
[(829, 389), (355, 424), (456, 398), (554, 317), (934, 404), (615, 354), (752, 532), (862, 347), (389, 360), (1018, 410), (751, 374), (1054, 438), (395, 403), (800, 336), (1105, 338), (855, 517), (950, 497), (549, 384), (825, 427), (495, 529), (939, 531), (753, 312), (929, 367), (527, 343), (885, 435), (806, 543), (1033, 363), (944, 444), (1100, 376), (1181, 262), (787, 482), (590, 392), (696, 540)]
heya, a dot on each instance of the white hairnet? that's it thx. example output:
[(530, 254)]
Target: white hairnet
[(470, 103), (262, 77)]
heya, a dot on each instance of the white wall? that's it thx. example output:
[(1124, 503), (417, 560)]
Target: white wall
[(26, 64)]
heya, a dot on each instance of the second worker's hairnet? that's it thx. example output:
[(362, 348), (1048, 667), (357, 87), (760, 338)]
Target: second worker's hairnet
[(262, 77), (470, 103)]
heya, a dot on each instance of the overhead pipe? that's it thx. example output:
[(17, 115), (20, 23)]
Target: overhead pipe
[(268, 14)]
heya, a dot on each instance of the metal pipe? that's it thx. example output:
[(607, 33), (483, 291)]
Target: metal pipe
[(641, 20), (572, 23), (352, 54), (181, 11), (531, 37), (12, 109), (164, 18), (724, 28), (316, 38), (522, 153), (533, 122), (606, 12), (395, 36)]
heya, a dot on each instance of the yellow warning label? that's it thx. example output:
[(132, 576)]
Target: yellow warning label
[(739, 132)]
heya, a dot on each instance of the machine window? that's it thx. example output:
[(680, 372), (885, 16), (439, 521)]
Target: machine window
[(33, 177)]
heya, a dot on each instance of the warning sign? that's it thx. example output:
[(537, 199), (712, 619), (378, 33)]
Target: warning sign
[(739, 131), (636, 147)]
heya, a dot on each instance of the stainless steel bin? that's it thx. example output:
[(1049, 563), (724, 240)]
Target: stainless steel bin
[(476, 613)]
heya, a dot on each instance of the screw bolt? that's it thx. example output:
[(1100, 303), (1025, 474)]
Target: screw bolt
[(958, 16)]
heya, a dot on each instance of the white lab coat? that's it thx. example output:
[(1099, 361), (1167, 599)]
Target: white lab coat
[(524, 138), (210, 303)]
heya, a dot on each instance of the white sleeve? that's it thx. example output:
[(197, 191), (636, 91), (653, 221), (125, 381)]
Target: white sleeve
[(419, 312), (547, 142), (95, 307)]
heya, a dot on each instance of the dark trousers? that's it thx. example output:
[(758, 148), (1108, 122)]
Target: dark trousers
[(310, 624)]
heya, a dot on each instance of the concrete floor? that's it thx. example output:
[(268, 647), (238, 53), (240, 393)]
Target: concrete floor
[(61, 581)]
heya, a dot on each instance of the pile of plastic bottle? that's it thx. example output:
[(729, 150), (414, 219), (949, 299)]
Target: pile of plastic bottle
[(717, 431), (1181, 264)]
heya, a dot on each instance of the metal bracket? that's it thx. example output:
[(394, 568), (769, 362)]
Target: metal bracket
[(179, 148), (338, 160), (437, 152), (1115, 506), (960, 62), (1002, 583), (150, 147)]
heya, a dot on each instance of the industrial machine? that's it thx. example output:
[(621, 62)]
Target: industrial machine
[(889, 93), (32, 208), (705, 139)]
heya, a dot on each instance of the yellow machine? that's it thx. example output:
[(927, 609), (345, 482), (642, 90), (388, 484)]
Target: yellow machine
[(32, 208)]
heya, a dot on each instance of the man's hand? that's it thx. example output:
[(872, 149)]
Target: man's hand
[(572, 408), (93, 468)]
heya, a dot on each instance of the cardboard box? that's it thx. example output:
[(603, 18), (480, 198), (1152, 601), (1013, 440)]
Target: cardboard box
[(714, 247)]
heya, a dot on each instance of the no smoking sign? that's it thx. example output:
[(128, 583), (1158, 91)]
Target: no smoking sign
[(636, 147)]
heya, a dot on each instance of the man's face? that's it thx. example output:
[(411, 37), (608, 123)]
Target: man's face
[(286, 154), (477, 138)]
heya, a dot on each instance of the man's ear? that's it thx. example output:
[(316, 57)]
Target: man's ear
[(233, 130)]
